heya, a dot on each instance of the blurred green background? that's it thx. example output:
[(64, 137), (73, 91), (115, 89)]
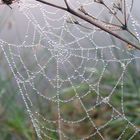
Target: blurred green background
[(16, 125)]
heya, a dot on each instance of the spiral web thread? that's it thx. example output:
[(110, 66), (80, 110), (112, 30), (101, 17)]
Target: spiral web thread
[(60, 71)]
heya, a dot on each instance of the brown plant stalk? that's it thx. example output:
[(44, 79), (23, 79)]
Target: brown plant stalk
[(93, 22)]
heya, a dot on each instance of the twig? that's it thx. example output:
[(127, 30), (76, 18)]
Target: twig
[(130, 9), (113, 14), (66, 4), (53, 5), (132, 34), (89, 20), (125, 16), (94, 18)]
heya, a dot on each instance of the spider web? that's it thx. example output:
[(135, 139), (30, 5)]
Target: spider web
[(62, 70)]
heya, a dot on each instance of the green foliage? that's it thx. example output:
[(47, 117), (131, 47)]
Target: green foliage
[(13, 120), (15, 124)]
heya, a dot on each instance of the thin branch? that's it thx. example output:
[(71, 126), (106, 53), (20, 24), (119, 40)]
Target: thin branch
[(125, 16), (89, 20), (94, 18), (113, 14), (132, 3), (53, 5), (101, 27), (81, 25), (66, 2), (132, 34), (75, 22)]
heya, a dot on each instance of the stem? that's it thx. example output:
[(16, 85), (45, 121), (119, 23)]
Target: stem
[(101, 27), (77, 23), (125, 16), (53, 5), (113, 14), (66, 4), (94, 18), (130, 9), (89, 20), (132, 34)]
